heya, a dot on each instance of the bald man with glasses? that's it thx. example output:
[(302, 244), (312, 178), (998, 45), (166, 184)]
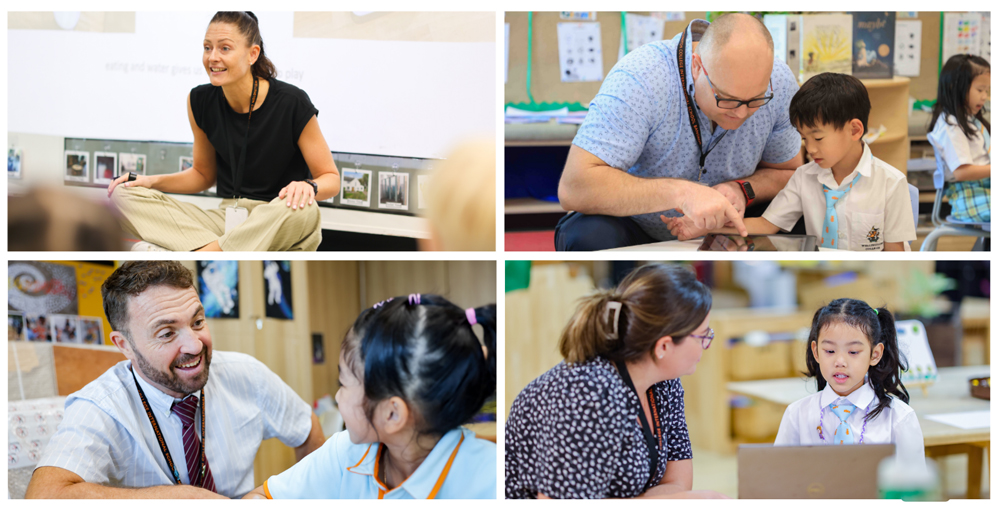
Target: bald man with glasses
[(662, 138)]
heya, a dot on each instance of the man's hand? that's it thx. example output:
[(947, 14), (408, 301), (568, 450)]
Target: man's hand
[(708, 209), (732, 191), (683, 228)]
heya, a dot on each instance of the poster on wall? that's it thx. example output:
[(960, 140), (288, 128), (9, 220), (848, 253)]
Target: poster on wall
[(104, 167), (14, 158), (278, 289), (15, 326), (874, 39), (826, 44), (36, 328), (319, 355), (186, 162), (218, 287), (393, 190), (908, 33), (355, 187), (77, 166), (65, 328), (91, 330), (580, 52), (41, 288)]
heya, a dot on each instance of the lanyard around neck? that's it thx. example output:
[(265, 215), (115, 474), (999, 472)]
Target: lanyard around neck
[(692, 116), (193, 478), (238, 164), (654, 435)]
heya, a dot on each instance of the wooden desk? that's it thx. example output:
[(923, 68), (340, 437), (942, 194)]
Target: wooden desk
[(949, 395)]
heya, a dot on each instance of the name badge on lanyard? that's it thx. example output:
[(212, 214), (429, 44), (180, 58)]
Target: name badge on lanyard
[(234, 217)]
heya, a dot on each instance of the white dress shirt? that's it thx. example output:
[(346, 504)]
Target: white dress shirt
[(106, 437), (875, 211), (952, 148), (896, 424)]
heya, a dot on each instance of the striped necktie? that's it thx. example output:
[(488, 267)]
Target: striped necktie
[(831, 225), (185, 409), (843, 435)]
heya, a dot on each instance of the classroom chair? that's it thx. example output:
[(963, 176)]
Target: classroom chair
[(914, 204), (950, 226)]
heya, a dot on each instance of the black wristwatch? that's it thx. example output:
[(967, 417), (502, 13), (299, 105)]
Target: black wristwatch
[(132, 176), (747, 190), (314, 185)]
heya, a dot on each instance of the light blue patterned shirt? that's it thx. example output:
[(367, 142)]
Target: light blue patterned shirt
[(638, 122), (106, 438)]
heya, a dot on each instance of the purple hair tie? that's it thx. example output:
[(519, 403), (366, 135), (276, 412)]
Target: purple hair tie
[(470, 314), (414, 299)]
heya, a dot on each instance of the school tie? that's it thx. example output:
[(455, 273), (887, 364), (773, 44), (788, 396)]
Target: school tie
[(185, 409), (843, 434), (831, 226)]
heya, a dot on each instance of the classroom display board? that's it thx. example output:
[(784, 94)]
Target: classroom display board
[(412, 96)]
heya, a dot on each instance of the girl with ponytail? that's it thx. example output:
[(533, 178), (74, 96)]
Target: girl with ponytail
[(412, 371), (608, 421), (256, 139), (854, 355)]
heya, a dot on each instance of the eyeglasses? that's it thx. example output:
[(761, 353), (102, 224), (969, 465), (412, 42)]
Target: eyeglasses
[(706, 340), (732, 104)]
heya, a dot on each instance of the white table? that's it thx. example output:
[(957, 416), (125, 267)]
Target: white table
[(678, 246), (950, 394)]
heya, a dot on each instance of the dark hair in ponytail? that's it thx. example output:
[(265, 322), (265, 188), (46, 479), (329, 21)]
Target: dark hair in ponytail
[(246, 22), (424, 351), (953, 92), (657, 300), (880, 328)]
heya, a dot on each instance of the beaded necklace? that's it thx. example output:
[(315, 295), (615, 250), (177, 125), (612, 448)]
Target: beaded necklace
[(822, 412)]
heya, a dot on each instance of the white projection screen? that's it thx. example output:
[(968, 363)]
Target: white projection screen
[(415, 97)]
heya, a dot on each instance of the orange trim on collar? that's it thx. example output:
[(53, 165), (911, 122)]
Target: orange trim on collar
[(267, 493), (447, 467), (365, 455), (383, 489)]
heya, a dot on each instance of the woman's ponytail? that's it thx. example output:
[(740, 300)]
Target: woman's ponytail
[(589, 332)]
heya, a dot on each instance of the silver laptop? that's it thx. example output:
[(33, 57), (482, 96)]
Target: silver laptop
[(810, 471)]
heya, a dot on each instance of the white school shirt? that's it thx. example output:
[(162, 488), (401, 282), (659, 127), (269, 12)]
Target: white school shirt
[(460, 466), (952, 148), (896, 424), (106, 438), (875, 211)]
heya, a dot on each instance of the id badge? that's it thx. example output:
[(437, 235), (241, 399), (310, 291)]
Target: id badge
[(234, 217)]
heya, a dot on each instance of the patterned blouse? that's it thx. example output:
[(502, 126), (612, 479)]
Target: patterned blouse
[(575, 433)]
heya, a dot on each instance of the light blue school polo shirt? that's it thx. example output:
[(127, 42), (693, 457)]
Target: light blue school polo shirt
[(638, 122), (460, 466)]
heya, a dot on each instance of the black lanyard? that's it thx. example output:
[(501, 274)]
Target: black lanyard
[(692, 116), (195, 479), (238, 164), (653, 443)]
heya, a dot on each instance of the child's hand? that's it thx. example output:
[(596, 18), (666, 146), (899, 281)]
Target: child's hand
[(683, 228)]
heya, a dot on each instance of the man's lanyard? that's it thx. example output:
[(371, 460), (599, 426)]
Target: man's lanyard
[(195, 479), (692, 116), (238, 164), (653, 443)]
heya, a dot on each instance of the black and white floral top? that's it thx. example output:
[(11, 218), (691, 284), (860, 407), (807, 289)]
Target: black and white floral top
[(575, 433)]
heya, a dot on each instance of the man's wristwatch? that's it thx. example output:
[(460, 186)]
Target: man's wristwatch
[(747, 190), (314, 185)]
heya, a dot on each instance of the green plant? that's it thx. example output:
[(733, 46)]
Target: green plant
[(920, 292)]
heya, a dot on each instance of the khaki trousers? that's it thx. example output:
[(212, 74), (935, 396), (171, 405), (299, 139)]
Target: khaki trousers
[(176, 225)]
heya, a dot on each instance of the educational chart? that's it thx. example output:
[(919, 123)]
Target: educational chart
[(394, 190), (219, 288), (640, 30), (580, 56), (908, 33), (913, 345), (960, 34), (874, 39), (355, 187), (826, 44)]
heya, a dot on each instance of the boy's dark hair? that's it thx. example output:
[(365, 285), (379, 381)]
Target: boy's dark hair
[(425, 352), (830, 98), (134, 277), (880, 328), (953, 91)]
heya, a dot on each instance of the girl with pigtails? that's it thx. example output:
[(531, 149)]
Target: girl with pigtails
[(412, 371), (854, 355), (608, 421)]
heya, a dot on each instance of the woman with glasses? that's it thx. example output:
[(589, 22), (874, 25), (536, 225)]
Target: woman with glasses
[(608, 421)]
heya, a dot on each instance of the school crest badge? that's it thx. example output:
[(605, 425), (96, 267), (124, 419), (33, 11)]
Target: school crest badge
[(873, 235)]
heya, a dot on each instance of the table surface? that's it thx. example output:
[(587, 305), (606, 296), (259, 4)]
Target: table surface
[(678, 246), (950, 394)]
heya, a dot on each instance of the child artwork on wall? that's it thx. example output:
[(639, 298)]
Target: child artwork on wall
[(278, 289), (826, 44), (218, 284)]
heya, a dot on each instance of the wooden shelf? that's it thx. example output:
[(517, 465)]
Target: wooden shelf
[(527, 206), (887, 139), (882, 83)]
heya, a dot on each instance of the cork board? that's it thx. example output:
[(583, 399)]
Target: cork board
[(545, 80), (76, 367)]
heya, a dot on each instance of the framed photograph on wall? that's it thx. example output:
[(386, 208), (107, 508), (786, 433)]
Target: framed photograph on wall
[(36, 328), (104, 167), (186, 162), (15, 326), (394, 190), (91, 330), (77, 166), (355, 187), (131, 162), (14, 158), (65, 328)]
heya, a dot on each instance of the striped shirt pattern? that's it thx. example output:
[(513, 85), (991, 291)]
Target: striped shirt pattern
[(106, 437)]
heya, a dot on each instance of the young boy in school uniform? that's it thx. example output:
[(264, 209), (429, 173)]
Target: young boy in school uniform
[(850, 199)]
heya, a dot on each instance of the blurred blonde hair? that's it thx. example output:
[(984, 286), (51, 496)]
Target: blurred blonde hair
[(461, 198)]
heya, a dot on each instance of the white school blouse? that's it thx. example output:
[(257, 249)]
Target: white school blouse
[(952, 148), (876, 210), (896, 424)]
